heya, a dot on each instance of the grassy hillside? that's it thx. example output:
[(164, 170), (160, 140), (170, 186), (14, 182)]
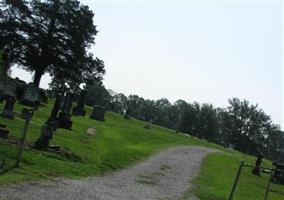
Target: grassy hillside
[(117, 143), (218, 173)]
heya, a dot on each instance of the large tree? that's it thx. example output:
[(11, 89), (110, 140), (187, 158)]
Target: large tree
[(49, 36), (245, 126)]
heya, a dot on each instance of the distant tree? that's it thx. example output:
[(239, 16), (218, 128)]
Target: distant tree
[(245, 126), (208, 123), (162, 108), (148, 110), (119, 103), (49, 36), (188, 119), (134, 103)]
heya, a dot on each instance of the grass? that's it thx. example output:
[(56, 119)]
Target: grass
[(118, 143), (217, 176)]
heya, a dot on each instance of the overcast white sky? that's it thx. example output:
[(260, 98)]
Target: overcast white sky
[(205, 51)]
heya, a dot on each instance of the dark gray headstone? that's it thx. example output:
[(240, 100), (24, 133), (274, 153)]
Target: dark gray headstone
[(98, 113), (257, 169), (10, 88), (79, 109), (8, 108), (61, 101), (279, 173), (30, 96), (55, 110), (49, 127), (64, 118), (46, 135)]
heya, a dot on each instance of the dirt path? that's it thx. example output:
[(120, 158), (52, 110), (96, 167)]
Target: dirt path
[(166, 175)]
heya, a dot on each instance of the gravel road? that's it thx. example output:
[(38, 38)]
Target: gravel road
[(166, 175)]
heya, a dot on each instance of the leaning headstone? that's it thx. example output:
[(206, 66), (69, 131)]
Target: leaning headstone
[(53, 115), (64, 118), (45, 136), (79, 109), (30, 96), (98, 113), (49, 127), (256, 170)]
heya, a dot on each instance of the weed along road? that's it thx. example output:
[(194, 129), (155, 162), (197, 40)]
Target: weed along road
[(166, 175)]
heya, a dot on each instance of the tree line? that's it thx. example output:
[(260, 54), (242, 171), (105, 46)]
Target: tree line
[(241, 125)]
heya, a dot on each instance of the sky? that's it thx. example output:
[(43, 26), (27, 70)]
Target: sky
[(204, 51)]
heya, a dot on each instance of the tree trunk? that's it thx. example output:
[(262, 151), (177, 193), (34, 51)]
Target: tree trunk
[(37, 77)]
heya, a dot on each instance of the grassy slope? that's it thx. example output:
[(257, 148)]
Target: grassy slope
[(217, 175), (117, 143)]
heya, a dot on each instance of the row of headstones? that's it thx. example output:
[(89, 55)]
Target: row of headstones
[(9, 94), (62, 119), (11, 91)]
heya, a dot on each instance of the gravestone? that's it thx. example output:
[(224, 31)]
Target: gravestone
[(25, 112), (10, 88), (8, 108), (79, 109), (279, 173), (45, 136), (49, 127), (64, 118), (43, 96), (98, 113), (61, 101), (30, 96), (256, 170), (9, 94)]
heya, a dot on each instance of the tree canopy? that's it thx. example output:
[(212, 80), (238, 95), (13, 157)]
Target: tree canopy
[(50, 36)]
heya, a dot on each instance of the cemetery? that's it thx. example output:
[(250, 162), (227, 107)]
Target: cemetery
[(60, 124), (80, 129)]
